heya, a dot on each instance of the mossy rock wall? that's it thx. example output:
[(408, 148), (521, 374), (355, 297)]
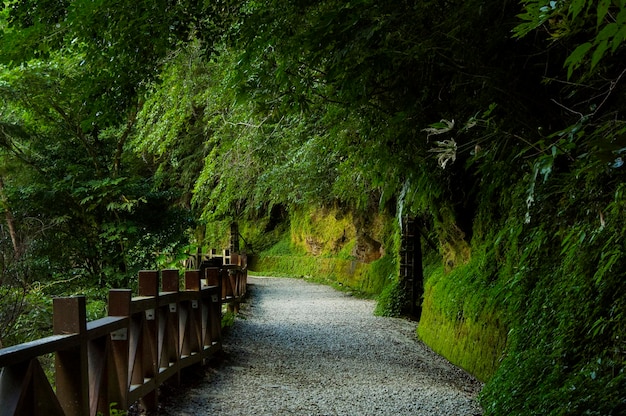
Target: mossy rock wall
[(351, 273), (475, 344), (335, 245), (463, 318)]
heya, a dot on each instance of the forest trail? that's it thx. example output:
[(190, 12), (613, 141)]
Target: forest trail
[(304, 348)]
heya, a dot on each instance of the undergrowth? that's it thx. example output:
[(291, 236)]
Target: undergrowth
[(392, 299)]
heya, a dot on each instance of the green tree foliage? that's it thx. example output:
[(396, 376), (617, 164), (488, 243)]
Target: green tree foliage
[(79, 184), (81, 208), (566, 294), (120, 43)]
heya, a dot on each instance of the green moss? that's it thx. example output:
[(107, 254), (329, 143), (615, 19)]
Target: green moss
[(473, 343), (283, 247), (352, 274), (320, 245), (322, 231), (462, 314), (391, 300), (382, 273), (346, 253)]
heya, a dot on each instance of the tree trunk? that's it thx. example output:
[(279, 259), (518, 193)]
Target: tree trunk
[(4, 203)]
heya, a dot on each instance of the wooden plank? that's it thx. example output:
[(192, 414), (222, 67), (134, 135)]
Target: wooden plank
[(213, 319), (30, 350), (25, 391), (135, 335), (189, 295), (117, 372), (98, 387), (96, 361), (104, 326), (118, 351), (172, 328), (69, 315), (167, 297), (190, 328), (168, 334), (119, 302), (168, 374), (142, 304), (204, 323), (149, 349), (209, 350), (13, 382), (189, 360), (137, 391), (212, 276)]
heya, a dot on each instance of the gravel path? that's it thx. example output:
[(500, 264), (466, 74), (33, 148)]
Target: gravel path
[(300, 348)]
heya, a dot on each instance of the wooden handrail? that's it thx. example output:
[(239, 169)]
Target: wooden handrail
[(125, 357)]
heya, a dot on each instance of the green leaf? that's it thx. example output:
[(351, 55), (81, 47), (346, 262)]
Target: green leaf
[(599, 53), (607, 32), (618, 39), (574, 60), (576, 7), (603, 9), (490, 110), (621, 17), (86, 200)]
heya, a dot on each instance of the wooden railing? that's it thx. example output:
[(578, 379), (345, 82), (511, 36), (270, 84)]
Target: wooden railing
[(122, 359)]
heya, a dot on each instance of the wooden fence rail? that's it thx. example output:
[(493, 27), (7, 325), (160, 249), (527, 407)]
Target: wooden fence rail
[(123, 358)]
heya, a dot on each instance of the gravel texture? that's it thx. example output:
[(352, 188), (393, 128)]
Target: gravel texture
[(299, 348)]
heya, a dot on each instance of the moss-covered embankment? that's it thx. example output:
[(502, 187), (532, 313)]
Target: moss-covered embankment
[(334, 246), (362, 255), (459, 322)]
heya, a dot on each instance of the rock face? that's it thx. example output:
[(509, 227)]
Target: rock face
[(313, 245), (367, 249), (333, 232), (368, 228), (356, 251)]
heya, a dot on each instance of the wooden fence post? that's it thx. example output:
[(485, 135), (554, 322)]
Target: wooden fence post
[(169, 325), (71, 365), (123, 358), (149, 286), (192, 280), (118, 370), (214, 277), (214, 318), (193, 326)]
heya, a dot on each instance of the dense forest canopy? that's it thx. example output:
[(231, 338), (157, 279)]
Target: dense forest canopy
[(126, 126)]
